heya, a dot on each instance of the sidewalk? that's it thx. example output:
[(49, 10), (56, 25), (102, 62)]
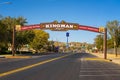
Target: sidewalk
[(111, 57)]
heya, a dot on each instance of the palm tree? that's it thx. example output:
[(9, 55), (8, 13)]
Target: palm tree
[(8, 23)]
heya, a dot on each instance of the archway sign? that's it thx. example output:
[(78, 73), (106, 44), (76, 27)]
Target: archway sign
[(64, 26)]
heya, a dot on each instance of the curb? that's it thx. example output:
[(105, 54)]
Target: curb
[(114, 60), (13, 57), (97, 59), (2, 56)]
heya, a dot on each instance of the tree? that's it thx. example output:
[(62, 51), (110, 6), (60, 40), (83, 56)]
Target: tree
[(40, 40), (110, 43), (21, 21), (50, 46), (99, 42), (7, 24), (3, 37), (89, 47), (10, 23), (24, 37), (114, 31), (119, 36)]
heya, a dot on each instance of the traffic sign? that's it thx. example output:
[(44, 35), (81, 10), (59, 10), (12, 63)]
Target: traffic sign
[(67, 34)]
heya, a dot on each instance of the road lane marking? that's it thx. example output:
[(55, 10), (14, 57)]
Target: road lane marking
[(30, 66), (107, 75), (100, 68), (90, 71)]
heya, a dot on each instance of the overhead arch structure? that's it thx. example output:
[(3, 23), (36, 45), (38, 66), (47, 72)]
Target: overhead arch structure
[(55, 26), (62, 26)]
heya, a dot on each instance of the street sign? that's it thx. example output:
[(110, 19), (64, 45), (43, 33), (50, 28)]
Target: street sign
[(18, 27), (88, 28), (62, 26), (29, 27), (67, 34), (101, 29)]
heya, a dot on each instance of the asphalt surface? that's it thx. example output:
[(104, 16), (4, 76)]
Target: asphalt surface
[(80, 66)]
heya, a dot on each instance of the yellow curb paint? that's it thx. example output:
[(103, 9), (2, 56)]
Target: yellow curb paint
[(95, 59), (17, 56), (30, 66)]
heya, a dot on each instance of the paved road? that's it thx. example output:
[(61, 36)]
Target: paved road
[(82, 66)]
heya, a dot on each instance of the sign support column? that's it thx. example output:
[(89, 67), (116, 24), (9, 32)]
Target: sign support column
[(105, 43), (13, 42), (67, 35)]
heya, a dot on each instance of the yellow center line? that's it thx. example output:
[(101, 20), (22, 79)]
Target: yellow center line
[(30, 66)]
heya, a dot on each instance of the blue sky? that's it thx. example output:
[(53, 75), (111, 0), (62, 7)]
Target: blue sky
[(94, 13)]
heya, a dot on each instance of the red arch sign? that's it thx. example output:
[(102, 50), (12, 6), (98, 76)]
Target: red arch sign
[(63, 26)]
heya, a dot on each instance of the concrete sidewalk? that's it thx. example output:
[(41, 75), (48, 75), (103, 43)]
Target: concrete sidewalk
[(110, 57)]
